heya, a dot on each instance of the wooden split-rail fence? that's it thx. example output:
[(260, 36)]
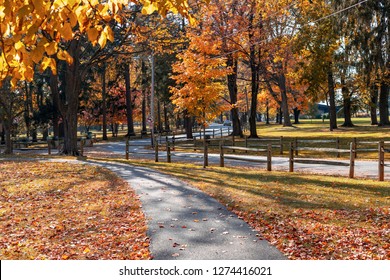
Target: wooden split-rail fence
[(264, 147)]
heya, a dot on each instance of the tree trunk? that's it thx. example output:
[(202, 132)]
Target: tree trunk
[(297, 112), (143, 85), (45, 134), (346, 107), (159, 122), (373, 104), (70, 129), (27, 108), (254, 75), (384, 104), (2, 133), (284, 104), (8, 134), (56, 105), (232, 86), (346, 103), (267, 112), (280, 115), (129, 105), (69, 103), (332, 101), (188, 126), (104, 103), (166, 119)]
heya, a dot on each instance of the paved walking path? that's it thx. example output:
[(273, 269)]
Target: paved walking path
[(184, 223)]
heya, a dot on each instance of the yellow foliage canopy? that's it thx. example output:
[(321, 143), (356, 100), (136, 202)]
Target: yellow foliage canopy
[(32, 30), (199, 77)]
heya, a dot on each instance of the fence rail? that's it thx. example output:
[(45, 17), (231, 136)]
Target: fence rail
[(222, 156), (351, 151), (295, 146)]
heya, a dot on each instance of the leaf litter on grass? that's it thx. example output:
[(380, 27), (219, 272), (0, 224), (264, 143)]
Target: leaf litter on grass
[(68, 211)]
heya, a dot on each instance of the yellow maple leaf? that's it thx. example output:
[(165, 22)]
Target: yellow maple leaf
[(64, 55), (149, 8), (49, 62), (110, 34), (93, 34), (66, 31), (102, 40), (19, 45), (36, 54), (51, 48)]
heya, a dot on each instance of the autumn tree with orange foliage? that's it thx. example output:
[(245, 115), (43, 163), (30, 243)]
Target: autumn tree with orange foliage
[(199, 78)]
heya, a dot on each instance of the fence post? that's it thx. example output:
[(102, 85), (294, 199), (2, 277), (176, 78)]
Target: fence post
[(355, 144), (291, 159), (156, 150), (281, 145), (381, 162), (269, 157), (233, 142), (49, 147), (221, 132), (173, 141), (228, 130), (213, 133), (168, 152), (352, 160), (194, 139), (338, 146), (127, 148), (205, 154), (246, 143), (296, 145), (82, 147), (221, 159)]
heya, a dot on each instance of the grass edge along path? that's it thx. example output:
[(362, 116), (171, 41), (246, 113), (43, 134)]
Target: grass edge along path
[(52, 210), (304, 216)]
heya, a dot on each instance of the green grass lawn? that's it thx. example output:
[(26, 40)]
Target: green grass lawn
[(316, 129)]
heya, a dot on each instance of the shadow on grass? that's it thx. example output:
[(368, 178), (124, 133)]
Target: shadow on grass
[(280, 194)]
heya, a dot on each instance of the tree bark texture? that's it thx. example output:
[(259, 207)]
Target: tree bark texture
[(346, 105), (384, 104), (332, 101), (144, 85), (188, 125), (104, 103), (284, 105), (373, 104), (129, 105), (69, 99), (232, 86)]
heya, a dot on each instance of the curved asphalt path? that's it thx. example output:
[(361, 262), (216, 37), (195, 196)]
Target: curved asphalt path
[(186, 224)]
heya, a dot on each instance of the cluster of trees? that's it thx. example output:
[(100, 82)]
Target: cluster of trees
[(68, 62)]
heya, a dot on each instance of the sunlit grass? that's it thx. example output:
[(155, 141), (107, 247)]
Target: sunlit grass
[(315, 129)]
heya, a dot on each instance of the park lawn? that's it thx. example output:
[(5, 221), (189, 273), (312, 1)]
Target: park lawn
[(68, 211), (316, 129), (305, 216)]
